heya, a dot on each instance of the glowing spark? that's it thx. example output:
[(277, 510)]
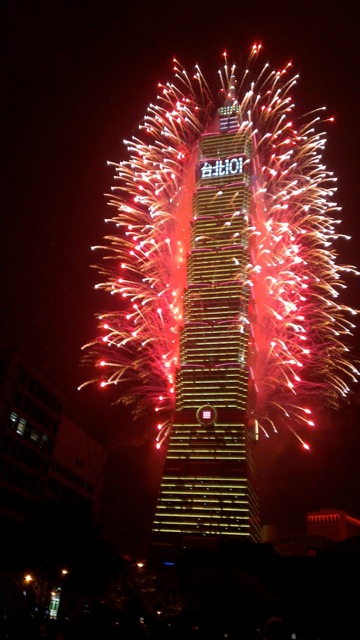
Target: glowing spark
[(294, 278)]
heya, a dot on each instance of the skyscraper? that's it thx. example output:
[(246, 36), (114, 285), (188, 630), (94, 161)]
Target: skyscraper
[(208, 489), (257, 317)]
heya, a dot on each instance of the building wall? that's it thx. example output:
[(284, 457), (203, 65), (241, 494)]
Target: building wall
[(78, 465), (42, 454), (333, 524)]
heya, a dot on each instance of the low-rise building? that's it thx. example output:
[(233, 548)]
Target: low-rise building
[(334, 524), (43, 454)]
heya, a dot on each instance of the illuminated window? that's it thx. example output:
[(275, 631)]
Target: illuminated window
[(20, 429), (34, 435), (43, 441), (13, 419)]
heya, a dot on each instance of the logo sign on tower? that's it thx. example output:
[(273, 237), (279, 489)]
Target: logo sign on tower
[(206, 415), (222, 168)]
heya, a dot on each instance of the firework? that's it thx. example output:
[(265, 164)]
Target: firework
[(298, 354)]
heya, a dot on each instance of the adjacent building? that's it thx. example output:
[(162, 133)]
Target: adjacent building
[(43, 455), (332, 524)]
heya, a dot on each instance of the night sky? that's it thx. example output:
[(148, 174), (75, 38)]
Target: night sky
[(76, 80)]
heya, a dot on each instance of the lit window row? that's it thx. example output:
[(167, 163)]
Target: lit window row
[(232, 142), (232, 198), (26, 430)]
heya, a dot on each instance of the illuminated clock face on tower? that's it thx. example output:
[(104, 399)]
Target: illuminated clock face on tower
[(206, 415)]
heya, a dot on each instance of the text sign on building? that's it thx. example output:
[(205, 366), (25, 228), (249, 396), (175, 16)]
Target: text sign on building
[(222, 168)]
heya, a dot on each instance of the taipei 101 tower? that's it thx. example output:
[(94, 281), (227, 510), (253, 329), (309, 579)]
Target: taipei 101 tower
[(247, 332), (208, 490)]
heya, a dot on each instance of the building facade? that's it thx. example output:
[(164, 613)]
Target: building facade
[(208, 490), (332, 524), (44, 457)]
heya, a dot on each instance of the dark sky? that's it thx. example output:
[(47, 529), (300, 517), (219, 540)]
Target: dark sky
[(77, 77)]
